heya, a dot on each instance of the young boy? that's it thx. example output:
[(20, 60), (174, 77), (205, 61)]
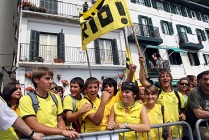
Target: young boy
[(70, 103), (48, 118), (95, 119)]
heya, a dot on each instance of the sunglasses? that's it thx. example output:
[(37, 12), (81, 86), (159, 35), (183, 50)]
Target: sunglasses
[(186, 84), (128, 83)]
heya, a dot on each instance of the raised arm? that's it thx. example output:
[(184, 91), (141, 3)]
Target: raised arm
[(142, 77), (130, 76)]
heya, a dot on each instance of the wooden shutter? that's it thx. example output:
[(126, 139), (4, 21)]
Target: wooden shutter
[(203, 35), (206, 60), (34, 44), (134, 1), (198, 15), (61, 46), (190, 58), (170, 26), (166, 6), (154, 4), (189, 30), (173, 8), (140, 25), (97, 51), (189, 13), (151, 28), (115, 52), (161, 23), (183, 10), (147, 3)]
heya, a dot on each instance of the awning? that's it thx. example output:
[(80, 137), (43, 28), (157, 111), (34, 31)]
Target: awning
[(176, 49), (155, 47)]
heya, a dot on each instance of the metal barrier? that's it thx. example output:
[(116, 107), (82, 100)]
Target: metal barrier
[(197, 127), (112, 133)]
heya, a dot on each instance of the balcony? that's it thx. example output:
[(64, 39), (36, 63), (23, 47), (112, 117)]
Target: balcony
[(54, 9), (145, 34), (73, 55), (189, 41)]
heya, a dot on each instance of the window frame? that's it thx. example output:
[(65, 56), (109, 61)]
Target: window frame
[(206, 58), (193, 58), (174, 57)]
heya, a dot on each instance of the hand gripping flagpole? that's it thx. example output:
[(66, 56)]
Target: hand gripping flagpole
[(138, 47)]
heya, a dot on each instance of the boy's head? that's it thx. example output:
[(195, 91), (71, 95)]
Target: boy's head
[(109, 82), (92, 87), (76, 86), (39, 73)]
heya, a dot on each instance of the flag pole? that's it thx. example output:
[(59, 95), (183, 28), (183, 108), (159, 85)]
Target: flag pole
[(138, 47), (87, 56)]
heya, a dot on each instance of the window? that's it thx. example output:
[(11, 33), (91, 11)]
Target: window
[(142, 2), (174, 57), (206, 57), (194, 15), (50, 5), (206, 18), (194, 59), (178, 10), (160, 5), (106, 51), (167, 27), (201, 35)]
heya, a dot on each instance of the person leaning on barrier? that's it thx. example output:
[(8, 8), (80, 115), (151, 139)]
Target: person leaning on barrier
[(157, 114), (9, 119), (196, 109), (47, 119), (95, 119), (129, 113), (170, 99)]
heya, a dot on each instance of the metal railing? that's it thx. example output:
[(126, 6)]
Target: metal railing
[(72, 54), (111, 133), (59, 7), (197, 125), (144, 30)]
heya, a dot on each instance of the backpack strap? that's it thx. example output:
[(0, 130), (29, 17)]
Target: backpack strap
[(54, 99), (178, 97), (89, 101), (35, 102), (162, 111)]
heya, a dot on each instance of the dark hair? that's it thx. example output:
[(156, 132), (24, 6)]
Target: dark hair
[(59, 89), (110, 82), (132, 87), (91, 80), (151, 88), (203, 73), (40, 72), (8, 90), (190, 77), (79, 81)]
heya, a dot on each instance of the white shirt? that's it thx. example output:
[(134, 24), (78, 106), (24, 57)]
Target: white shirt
[(7, 116)]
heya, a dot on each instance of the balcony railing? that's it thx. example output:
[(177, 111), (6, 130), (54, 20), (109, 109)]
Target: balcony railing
[(73, 55), (185, 37), (144, 30), (58, 7)]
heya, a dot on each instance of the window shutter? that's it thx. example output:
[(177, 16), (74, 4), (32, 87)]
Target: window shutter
[(178, 27), (203, 35), (154, 4), (134, 1), (147, 3), (97, 51), (203, 18), (198, 15), (173, 8), (170, 26), (183, 10), (190, 58), (205, 57), (140, 25), (34, 44), (115, 52), (189, 13), (61, 46), (189, 30), (151, 28), (161, 23), (166, 6)]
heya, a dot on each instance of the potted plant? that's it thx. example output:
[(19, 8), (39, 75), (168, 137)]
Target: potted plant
[(65, 83), (29, 89), (25, 5), (121, 76), (28, 75), (58, 76)]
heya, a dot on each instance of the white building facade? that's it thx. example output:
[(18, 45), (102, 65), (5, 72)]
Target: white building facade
[(178, 33)]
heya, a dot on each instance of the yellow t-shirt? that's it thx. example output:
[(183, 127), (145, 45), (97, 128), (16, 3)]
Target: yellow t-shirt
[(87, 125), (10, 133), (133, 117), (47, 111), (112, 101), (170, 102), (155, 117)]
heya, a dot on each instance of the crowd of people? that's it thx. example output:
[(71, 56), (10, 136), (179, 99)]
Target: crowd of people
[(129, 105)]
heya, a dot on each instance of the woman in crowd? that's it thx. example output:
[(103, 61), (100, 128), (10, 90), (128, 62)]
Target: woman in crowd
[(157, 114), (12, 94), (129, 113), (167, 97), (183, 88)]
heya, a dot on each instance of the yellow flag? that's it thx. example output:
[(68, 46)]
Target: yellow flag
[(103, 17), (128, 62)]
